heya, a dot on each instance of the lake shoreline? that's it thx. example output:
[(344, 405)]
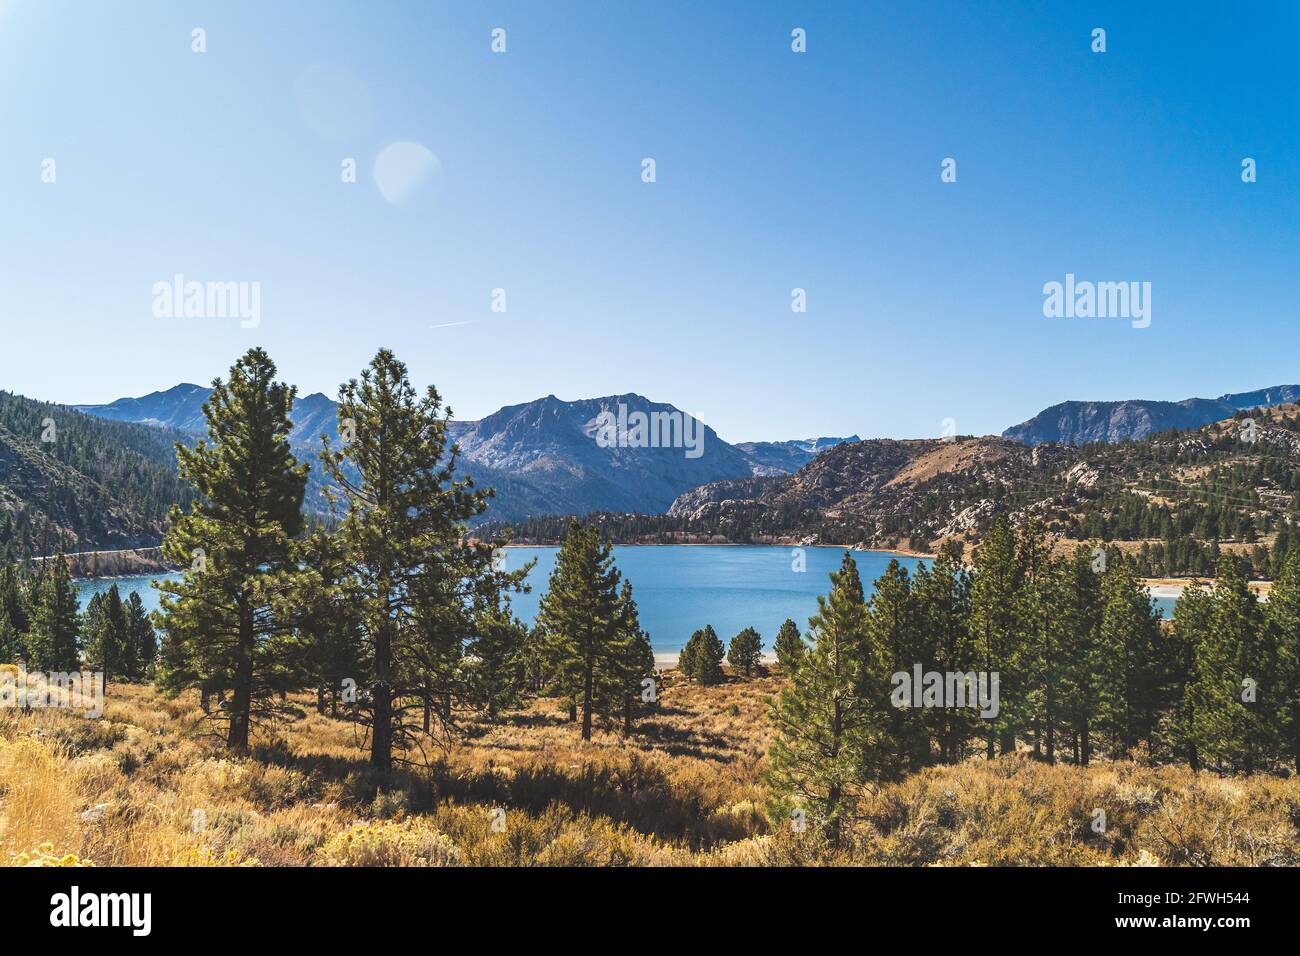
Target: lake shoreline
[(104, 565), (899, 552), (140, 562)]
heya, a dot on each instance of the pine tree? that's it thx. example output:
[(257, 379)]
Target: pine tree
[(52, 642), (11, 599), (1075, 619), (1283, 618), (995, 622), (789, 647), (637, 662), (107, 636), (686, 657), (581, 615), (829, 739), (706, 660), (1128, 661), (233, 604), (1235, 696), (895, 644), (175, 670), (942, 609), (333, 624), (142, 641), (1033, 690), (496, 660), (1193, 621), (91, 618), (8, 641), (745, 652), (414, 577)]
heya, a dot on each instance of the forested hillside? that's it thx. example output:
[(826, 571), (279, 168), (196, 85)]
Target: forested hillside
[(69, 482)]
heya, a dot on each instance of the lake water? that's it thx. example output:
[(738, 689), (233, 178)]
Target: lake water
[(679, 589)]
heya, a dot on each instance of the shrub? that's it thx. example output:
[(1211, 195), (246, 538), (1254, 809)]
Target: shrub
[(387, 843)]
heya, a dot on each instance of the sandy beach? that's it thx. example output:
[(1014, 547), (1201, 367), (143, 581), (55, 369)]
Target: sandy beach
[(1173, 587), (664, 662)]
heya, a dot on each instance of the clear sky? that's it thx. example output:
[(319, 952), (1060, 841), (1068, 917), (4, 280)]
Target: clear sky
[(775, 170)]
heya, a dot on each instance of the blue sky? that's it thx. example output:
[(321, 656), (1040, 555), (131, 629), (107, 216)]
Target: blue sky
[(775, 170)]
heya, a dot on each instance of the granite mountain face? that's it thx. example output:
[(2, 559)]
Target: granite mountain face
[(543, 457), (1078, 423), (785, 457)]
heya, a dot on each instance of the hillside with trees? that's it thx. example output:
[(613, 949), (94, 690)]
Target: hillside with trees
[(71, 483)]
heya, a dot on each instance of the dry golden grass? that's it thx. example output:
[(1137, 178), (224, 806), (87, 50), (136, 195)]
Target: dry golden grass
[(149, 784)]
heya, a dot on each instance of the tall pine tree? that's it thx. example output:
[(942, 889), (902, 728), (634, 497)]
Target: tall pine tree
[(706, 659), (142, 641), (55, 623), (231, 609), (417, 581), (581, 618), (830, 739), (789, 647), (995, 622), (1283, 617), (1235, 696), (107, 636), (637, 662)]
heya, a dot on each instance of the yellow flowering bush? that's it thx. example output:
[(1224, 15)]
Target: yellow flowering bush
[(205, 857), (389, 843), (44, 855)]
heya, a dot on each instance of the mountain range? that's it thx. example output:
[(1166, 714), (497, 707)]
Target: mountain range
[(181, 407), (108, 478), (1078, 423), (542, 457)]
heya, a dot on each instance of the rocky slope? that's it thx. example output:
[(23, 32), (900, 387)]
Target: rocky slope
[(1233, 483), (862, 491), (1077, 423), (785, 457)]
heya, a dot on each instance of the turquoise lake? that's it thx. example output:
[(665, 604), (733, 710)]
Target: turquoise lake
[(679, 589)]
